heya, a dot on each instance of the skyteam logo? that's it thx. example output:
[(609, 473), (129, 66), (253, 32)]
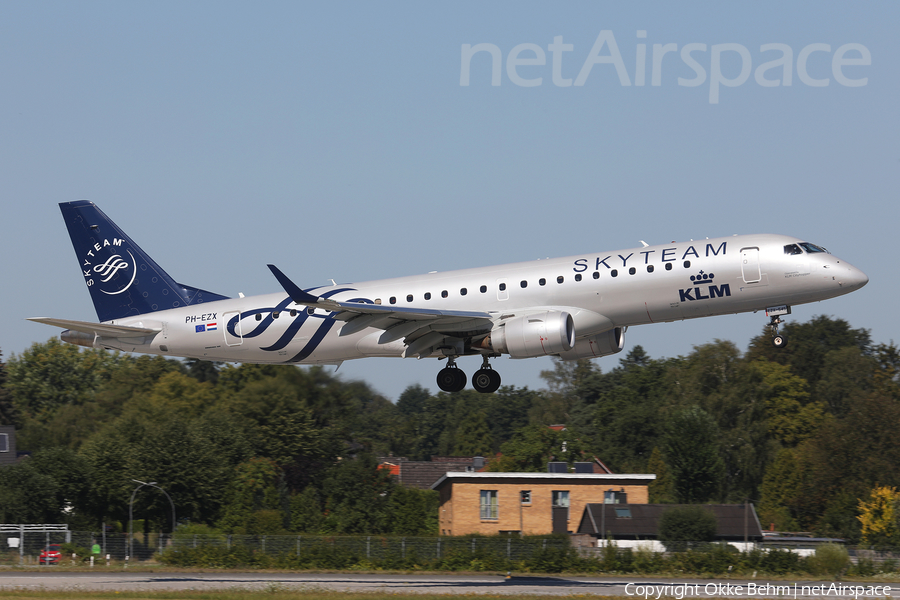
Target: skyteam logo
[(704, 288), (109, 267)]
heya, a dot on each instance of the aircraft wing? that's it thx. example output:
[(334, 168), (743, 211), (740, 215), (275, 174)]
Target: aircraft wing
[(422, 329), (116, 331)]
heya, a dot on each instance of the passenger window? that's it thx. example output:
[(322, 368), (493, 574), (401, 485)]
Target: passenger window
[(258, 317), (502, 287), (542, 281), (792, 249), (463, 291), (632, 271), (668, 266), (483, 289), (444, 294), (377, 300), (523, 283), (578, 277), (293, 312), (596, 274), (409, 298), (275, 315), (649, 268), (560, 279), (614, 273), (428, 295), (687, 264), (393, 300)]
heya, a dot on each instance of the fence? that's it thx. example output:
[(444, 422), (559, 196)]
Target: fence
[(31, 542), (379, 547), (371, 547)]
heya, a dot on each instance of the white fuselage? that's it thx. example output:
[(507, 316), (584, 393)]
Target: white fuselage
[(601, 291)]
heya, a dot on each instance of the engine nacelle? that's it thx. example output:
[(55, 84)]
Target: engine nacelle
[(602, 344), (540, 334)]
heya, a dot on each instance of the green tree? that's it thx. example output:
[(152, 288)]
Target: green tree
[(413, 511), (692, 453), (809, 343), (306, 511), (357, 492), (533, 446), (8, 413), (661, 489), (473, 437), (252, 497), (681, 527), (779, 492), (28, 496), (620, 413)]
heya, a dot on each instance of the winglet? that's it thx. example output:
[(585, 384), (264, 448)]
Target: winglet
[(296, 294)]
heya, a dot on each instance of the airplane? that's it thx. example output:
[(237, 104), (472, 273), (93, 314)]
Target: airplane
[(572, 308)]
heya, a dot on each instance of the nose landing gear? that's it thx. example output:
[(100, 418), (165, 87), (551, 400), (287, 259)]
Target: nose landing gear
[(778, 340)]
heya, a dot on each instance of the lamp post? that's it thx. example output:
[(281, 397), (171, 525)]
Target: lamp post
[(131, 511)]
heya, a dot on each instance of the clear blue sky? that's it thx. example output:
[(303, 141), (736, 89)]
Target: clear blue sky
[(336, 140)]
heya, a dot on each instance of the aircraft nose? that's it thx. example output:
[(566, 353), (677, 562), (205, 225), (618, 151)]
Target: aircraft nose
[(854, 278)]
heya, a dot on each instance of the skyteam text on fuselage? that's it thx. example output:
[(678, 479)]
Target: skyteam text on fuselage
[(575, 307)]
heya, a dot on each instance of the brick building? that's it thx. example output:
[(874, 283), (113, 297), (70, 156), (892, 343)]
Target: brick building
[(529, 503)]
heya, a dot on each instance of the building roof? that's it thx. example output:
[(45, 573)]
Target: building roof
[(599, 478), (641, 521), (422, 474)]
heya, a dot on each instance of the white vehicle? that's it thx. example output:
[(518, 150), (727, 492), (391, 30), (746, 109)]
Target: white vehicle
[(574, 307)]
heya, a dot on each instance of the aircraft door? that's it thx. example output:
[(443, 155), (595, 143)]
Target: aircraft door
[(750, 265), (231, 326)]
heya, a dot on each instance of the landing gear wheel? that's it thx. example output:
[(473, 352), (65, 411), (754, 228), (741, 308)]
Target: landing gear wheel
[(451, 379), (486, 381), (779, 341)]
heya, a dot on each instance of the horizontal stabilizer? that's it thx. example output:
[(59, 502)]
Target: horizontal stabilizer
[(116, 331)]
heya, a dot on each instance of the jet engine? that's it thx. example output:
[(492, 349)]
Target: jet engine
[(602, 344), (540, 334)]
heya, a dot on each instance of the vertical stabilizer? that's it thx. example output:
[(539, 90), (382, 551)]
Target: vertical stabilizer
[(122, 279)]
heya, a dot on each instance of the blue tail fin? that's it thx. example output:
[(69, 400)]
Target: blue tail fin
[(122, 279)]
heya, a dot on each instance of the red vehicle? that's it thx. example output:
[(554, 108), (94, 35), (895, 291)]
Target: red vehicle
[(50, 555)]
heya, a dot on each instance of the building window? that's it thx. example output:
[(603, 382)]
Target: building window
[(4, 442), (489, 504), (525, 495), (561, 499)]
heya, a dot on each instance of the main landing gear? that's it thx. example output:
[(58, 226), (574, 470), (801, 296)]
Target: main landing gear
[(452, 379), (778, 340)]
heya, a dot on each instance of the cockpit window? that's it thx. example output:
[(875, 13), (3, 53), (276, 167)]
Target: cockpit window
[(812, 248), (792, 249)]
